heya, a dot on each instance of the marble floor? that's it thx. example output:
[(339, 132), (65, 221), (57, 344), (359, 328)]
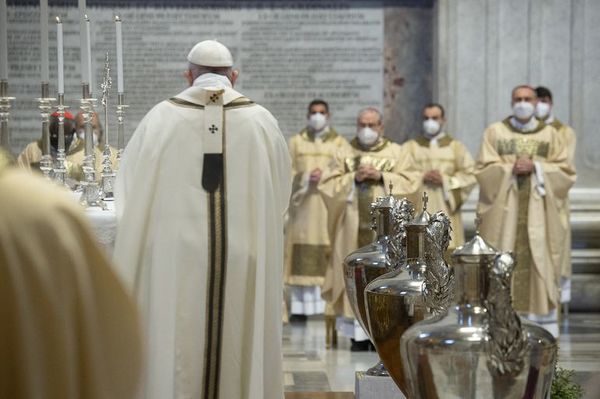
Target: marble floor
[(309, 367)]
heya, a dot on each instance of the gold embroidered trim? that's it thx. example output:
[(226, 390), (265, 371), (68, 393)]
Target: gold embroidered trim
[(522, 275), (309, 260), (523, 146), (381, 164)]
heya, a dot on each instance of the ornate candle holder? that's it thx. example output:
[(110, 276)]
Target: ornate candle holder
[(108, 175), (92, 195), (5, 101), (45, 107), (60, 165)]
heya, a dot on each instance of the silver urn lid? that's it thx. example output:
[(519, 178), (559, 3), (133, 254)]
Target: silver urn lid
[(422, 218), (476, 246)]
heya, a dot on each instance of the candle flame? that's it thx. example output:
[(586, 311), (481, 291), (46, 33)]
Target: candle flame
[(117, 18), (58, 21), (85, 16)]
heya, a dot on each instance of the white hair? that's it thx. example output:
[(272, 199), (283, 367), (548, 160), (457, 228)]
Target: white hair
[(197, 70), (368, 110)]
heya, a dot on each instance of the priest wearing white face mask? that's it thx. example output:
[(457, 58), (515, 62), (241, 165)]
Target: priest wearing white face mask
[(524, 178), (544, 112), (201, 195), (447, 169), (361, 174), (307, 242)]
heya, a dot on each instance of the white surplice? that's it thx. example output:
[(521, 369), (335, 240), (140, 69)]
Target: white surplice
[(162, 247)]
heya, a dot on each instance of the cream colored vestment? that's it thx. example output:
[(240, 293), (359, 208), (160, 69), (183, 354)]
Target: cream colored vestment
[(206, 268), (70, 330)]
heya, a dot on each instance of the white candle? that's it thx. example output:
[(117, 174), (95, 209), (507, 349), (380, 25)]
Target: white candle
[(3, 42), (59, 55), (88, 53), (44, 39), (120, 88), (82, 57)]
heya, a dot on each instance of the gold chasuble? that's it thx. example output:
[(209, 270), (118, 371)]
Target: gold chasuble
[(522, 213), (452, 159), (307, 240), (31, 156), (348, 204), (201, 195), (567, 136)]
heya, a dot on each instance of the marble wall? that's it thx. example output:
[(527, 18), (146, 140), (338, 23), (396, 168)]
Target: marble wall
[(482, 49)]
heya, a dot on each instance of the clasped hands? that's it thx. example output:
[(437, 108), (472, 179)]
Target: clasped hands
[(433, 177), (315, 176), (523, 166), (367, 172)]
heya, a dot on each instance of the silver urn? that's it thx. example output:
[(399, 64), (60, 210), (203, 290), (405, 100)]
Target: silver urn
[(416, 290), (479, 347), (362, 266)]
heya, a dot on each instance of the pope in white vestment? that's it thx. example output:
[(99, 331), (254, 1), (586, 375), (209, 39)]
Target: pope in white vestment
[(201, 195)]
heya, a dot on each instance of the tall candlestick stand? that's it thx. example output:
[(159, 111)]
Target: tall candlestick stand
[(121, 107), (60, 166), (91, 196), (45, 107), (5, 101), (108, 175)]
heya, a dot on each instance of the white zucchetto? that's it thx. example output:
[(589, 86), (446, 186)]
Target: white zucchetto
[(210, 53)]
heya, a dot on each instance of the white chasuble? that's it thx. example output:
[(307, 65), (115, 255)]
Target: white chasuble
[(522, 213), (201, 194)]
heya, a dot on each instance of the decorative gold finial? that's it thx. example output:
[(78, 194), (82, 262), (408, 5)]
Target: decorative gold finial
[(391, 188), (477, 222), (425, 200)]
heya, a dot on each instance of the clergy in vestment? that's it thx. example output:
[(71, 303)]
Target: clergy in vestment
[(201, 195), (524, 176), (446, 167), (70, 329), (544, 111), (360, 175), (31, 156), (307, 242)]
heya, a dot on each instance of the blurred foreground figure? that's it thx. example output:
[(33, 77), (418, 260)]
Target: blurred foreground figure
[(69, 329)]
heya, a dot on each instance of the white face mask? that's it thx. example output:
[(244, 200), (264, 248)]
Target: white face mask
[(542, 110), (523, 110), (367, 136), (431, 128), (317, 121), (81, 135)]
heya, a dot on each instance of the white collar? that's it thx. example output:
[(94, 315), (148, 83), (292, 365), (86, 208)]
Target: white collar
[(320, 133), (524, 127), (433, 141), (212, 80)]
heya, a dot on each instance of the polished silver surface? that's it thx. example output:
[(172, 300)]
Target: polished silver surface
[(414, 291), (383, 255), (108, 175), (5, 103), (479, 348)]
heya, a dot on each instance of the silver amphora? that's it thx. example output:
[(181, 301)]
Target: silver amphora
[(479, 348), (382, 256), (401, 298)]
